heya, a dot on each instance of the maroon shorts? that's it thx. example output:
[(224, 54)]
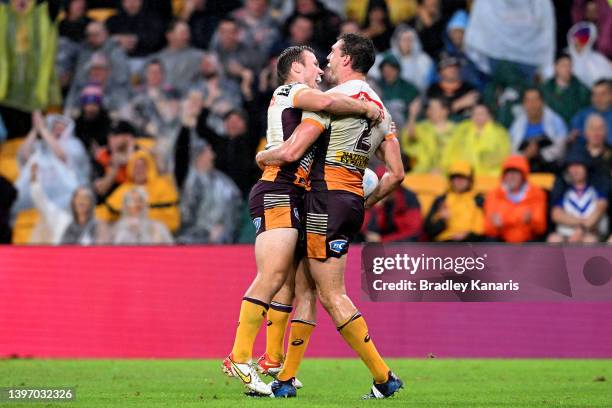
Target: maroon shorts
[(333, 218), (276, 205)]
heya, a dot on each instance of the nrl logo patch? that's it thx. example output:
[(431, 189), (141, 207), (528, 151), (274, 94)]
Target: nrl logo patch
[(338, 245), (257, 224)]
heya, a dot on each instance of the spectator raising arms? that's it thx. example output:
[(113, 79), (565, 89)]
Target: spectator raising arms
[(424, 142), (479, 140), (457, 215), (516, 210)]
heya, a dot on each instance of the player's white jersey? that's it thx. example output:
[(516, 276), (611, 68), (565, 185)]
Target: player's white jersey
[(349, 142), (283, 118)]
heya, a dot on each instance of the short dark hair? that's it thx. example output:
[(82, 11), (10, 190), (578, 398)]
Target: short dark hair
[(287, 58), (603, 81), (533, 89), (360, 49)]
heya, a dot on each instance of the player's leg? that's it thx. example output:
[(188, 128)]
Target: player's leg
[(278, 316), (302, 324), (274, 254)]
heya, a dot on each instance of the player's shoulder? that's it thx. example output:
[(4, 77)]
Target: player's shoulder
[(287, 89)]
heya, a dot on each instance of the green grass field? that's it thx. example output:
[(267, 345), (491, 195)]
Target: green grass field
[(328, 383)]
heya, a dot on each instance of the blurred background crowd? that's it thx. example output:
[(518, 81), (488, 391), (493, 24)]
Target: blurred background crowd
[(137, 121)]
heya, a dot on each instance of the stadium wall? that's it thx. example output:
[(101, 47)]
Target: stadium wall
[(182, 302)]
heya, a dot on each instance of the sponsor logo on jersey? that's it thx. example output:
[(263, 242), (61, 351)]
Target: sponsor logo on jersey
[(338, 245), (355, 159), (257, 224)]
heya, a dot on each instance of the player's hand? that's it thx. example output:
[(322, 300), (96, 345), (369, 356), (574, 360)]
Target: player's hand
[(259, 161), (415, 107), (374, 113)]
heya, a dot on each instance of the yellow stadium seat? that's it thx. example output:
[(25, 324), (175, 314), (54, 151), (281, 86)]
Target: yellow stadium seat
[(101, 14), (9, 166), (484, 184), (427, 187), (544, 180), (24, 224)]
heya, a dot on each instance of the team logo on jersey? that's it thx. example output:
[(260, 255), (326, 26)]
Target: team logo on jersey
[(257, 224), (338, 245)]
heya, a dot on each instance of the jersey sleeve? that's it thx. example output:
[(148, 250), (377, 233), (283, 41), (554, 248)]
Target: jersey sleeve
[(294, 92), (320, 119)]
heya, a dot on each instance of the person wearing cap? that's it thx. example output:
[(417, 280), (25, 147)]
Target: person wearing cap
[(110, 161), (93, 122), (481, 141), (457, 215), (516, 210), (564, 93), (210, 201), (397, 93), (395, 218), (579, 201), (461, 96)]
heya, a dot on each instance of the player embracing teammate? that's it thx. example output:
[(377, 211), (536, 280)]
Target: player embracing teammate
[(276, 204)]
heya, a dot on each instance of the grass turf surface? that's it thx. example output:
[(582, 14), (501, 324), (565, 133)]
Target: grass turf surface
[(327, 382)]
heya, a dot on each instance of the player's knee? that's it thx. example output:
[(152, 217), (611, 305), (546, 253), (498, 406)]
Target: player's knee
[(329, 298)]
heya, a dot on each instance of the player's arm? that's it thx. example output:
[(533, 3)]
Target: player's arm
[(314, 100), (389, 152), (293, 148)]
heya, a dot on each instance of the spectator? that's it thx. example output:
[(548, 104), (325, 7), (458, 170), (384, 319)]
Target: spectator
[(60, 157), (326, 22), (564, 93), (601, 102), (429, 26), (458, 214), (301, 31), (239, 60), (160, 189), (454, 46), (65, 62), (378, 27), (589, 65), (8, 195), (599, 151), (202, 20), (598, 12), (100, 72), (181, 61), (135, 227), (459, 95), (395, 218), (350, 26), (424, 142), (75, 21), (257, 24), (480, 141), (77, 225), (93, 122), (503, 92), (416, 65), (215, 92), (516, 210), (520, 31), (28, 40), (579, 204), (98, 42), (211, 202), (110, 162), (138, 32), (538, 132), (399, 10), (396, 92)]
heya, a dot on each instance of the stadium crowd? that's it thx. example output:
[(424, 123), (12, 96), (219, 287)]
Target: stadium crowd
[(154, 110)]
